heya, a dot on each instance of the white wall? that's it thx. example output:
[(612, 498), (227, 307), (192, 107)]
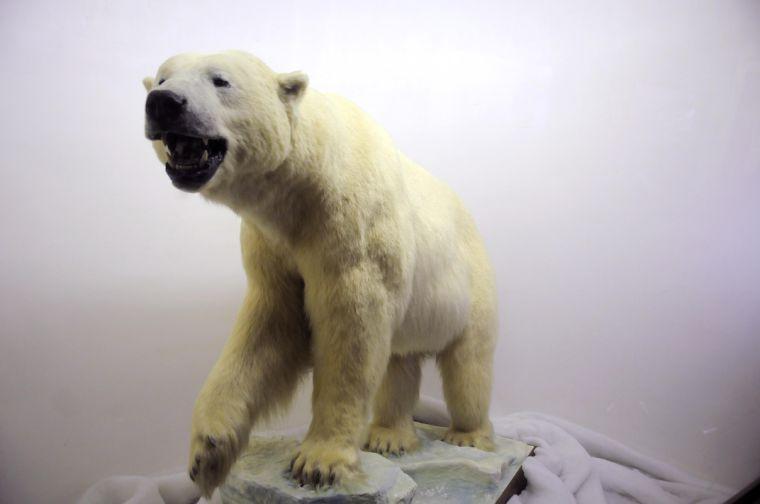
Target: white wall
[(610, 152)]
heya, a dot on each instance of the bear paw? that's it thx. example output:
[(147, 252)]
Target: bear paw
[(479, 438), (324, 463), (212, 454), (391, 441)]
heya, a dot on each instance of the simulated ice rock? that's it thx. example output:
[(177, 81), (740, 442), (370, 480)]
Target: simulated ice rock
[(436, 473), (260, 476)]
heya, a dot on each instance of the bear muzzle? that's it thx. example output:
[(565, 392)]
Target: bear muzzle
[(193, 156)]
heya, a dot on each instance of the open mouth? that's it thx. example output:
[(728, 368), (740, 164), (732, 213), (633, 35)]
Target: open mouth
[(192, 160)]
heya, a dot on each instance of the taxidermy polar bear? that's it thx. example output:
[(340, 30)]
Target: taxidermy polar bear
[(359, 264)]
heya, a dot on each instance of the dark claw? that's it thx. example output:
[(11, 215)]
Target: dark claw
[(192, 476), (317, 478), (292, 463), (331, 478), (295, 470), (388, 446), (197, 459)]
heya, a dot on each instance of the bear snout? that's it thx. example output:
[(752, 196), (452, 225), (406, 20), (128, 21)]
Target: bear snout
[(164, 108)]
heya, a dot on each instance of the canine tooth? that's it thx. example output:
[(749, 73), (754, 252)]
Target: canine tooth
[(204, 157)]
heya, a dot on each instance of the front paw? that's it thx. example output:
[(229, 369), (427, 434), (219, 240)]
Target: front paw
[(324, 463), (214, 447)]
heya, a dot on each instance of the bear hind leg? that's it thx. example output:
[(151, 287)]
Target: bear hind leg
[(392, 429), (466, 367)]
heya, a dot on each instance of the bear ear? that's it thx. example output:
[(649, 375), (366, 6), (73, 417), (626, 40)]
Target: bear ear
[(292, 85), (148, 83)]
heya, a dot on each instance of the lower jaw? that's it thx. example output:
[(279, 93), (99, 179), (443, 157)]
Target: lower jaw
[(189, 180)]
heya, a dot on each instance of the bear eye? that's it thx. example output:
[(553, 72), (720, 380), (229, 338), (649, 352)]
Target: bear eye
[(219, 82), (161, 81)]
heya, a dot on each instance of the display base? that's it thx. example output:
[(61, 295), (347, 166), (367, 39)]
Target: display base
[(435, 473)]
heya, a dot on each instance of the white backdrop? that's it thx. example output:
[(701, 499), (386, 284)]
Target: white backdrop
[(609, 150)]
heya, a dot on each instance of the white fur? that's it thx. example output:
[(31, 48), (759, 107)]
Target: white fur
[(359, 263)]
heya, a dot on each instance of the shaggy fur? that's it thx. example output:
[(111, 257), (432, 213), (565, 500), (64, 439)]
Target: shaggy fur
[(359, 264)]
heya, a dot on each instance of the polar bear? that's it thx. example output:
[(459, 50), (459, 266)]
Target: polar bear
[(359, 265)]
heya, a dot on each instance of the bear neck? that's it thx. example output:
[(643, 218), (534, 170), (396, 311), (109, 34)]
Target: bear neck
[(294, 200)]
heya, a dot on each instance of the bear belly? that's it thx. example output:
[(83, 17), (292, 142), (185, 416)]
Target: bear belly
[(436, 315)]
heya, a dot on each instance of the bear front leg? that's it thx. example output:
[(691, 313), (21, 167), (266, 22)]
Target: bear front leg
[(257, 371), (351, 334)]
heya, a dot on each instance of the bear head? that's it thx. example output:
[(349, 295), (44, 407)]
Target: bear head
[(215, 119)]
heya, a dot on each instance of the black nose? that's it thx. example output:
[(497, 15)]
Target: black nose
[(164, 106)]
